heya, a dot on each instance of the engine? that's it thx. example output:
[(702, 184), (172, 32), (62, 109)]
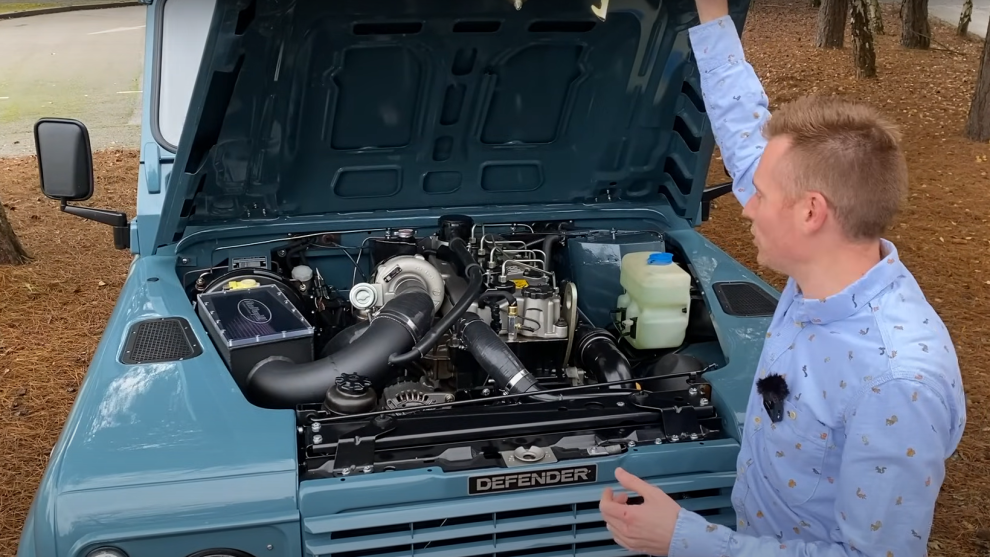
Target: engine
[(463, 313), (465, 318), (515, 294)]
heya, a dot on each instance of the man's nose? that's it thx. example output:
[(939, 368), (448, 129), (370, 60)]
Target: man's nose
[(745, 212)]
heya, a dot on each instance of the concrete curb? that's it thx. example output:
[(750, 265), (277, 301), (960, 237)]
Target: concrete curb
[(63, 9)]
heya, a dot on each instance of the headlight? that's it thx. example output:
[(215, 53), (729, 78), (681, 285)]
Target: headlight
[(106, 552), (221, 552)]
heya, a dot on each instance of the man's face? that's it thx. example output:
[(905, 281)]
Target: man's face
[(778, 221)]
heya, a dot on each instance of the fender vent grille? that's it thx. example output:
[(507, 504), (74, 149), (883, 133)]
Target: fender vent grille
[(160, 340), (744, 299)]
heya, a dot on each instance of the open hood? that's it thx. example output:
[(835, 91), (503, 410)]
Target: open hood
[(309, 107)]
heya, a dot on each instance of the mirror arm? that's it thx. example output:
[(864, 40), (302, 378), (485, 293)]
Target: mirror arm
[(116, 219)]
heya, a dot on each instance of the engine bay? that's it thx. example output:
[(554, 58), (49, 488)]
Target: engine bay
[(466, 345)]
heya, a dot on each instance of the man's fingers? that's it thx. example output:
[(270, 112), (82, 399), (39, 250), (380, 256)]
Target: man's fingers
[(611, 497), (632, 483), (612, 510), (622, 538)]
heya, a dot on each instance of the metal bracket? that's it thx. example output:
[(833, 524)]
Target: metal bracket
[(681, 424), (711, 194), (357, 452), (524, 456), (153, 167)]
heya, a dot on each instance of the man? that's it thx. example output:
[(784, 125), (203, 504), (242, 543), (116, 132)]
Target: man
[(874, 402)]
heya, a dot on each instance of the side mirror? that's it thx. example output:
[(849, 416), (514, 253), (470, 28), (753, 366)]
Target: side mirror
[(65, 159), (65, 165)]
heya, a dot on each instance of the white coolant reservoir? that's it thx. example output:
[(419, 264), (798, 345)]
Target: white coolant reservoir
[(653, 312)]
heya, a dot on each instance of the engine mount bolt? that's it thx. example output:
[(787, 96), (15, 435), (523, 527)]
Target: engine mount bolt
[(703, 402), (449, 398), (657, 441), (486, 391), (675, 438), (317, 439), (368, 469), (692, 391), (315, 427), (694, 436), (620, 403), (632, 443)]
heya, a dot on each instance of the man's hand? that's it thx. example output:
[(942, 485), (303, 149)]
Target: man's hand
[(711, 9), (645, 528)]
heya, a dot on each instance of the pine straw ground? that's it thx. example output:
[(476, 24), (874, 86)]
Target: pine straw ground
[(53, 311)]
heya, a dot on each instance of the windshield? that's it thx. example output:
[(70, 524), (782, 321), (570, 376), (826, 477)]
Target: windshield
[(181, 27)]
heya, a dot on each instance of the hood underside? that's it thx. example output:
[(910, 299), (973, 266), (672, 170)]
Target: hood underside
[(308, 107)]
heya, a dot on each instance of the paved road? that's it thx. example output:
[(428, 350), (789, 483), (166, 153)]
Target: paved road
[(949, 11), (85, 65)]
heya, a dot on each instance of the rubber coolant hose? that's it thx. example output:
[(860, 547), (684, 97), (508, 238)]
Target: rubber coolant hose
[(278, 382), (598, 353), (501, 364)]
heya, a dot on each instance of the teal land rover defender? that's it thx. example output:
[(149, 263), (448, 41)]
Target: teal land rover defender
[(410, 278)]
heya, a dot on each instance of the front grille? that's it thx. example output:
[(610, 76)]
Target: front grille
[(564, 530)]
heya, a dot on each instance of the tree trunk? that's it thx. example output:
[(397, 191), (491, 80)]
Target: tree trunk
[(965, 18), (862, 39), (876, 17), (915, 31), (11, 250), (832, 23), (978, 123)]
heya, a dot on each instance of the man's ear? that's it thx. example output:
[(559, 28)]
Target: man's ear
[(814, 211)]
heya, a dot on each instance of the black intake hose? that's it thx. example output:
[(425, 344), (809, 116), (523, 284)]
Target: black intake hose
[(548, 243), (277, 382), (507, 296), (597, 352), (501, 364), (474, 290), (344, 338)]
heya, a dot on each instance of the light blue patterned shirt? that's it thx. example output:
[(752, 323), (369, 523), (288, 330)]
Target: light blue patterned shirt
[(876, 402)]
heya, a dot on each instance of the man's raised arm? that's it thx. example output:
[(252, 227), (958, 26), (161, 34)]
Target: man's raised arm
[(734, 98)]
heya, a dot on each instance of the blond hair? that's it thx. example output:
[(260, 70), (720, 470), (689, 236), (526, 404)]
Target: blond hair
[(851, 154)]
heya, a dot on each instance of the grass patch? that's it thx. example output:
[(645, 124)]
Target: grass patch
[(22, 7)]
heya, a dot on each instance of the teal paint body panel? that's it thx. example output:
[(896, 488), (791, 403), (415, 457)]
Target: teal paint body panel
[(304, 117)]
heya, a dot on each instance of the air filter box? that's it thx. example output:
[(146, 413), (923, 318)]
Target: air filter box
[(248, 325)]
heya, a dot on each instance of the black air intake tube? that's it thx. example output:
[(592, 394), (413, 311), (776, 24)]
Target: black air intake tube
[(475, 288), (598, 353), (498, 360), (277, 382)]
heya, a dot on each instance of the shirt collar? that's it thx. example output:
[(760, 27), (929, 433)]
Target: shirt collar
[(856, 295)]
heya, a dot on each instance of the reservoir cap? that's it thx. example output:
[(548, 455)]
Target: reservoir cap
[(660, 258)]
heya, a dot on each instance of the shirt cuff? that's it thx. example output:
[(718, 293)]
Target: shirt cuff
[(696, 537), (716, 43)]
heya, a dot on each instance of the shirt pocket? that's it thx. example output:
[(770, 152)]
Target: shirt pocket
[(794, 452)]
